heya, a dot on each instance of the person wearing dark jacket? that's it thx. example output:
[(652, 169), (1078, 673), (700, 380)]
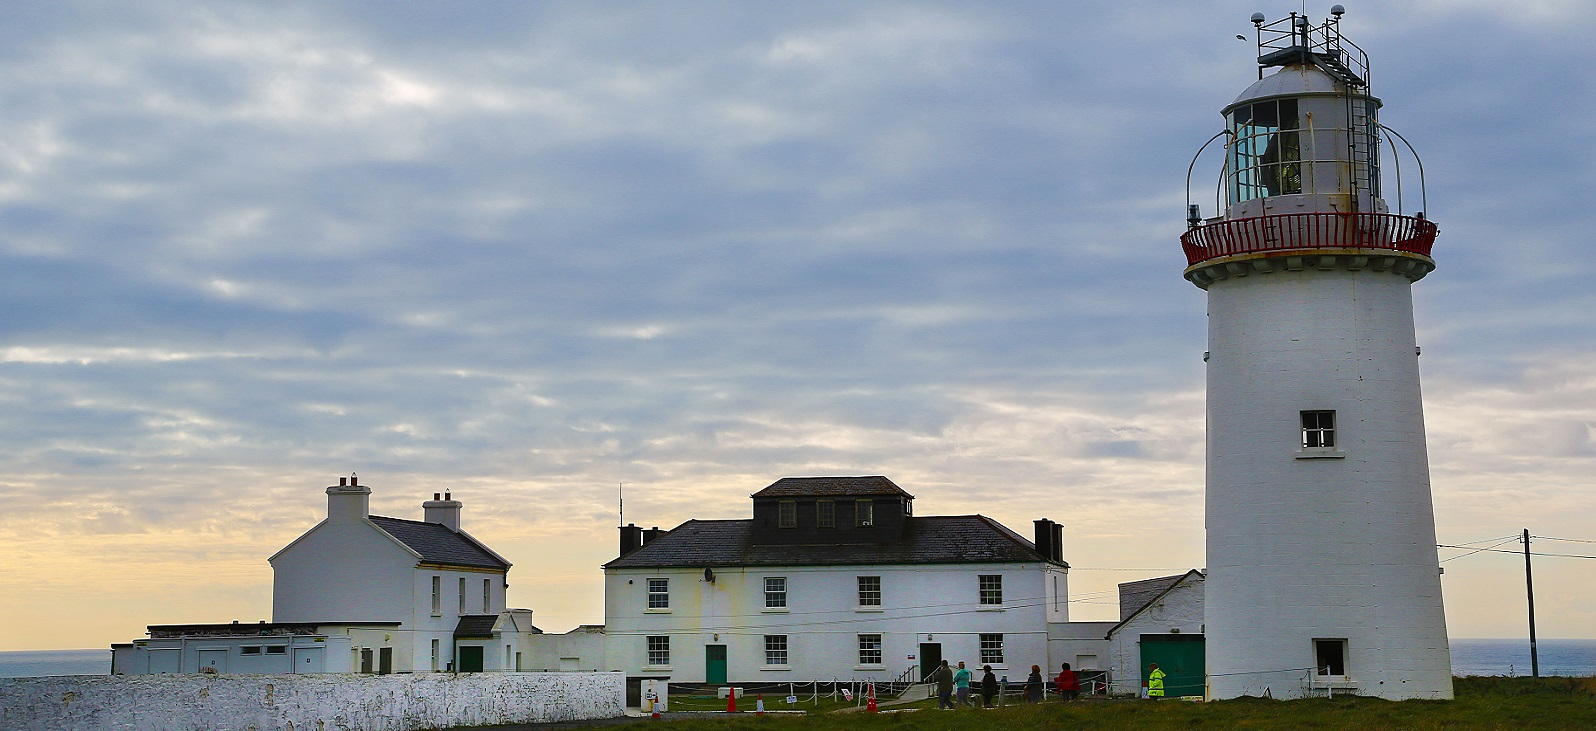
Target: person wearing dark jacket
[(1033, 685), (989, 686), (943, 677)]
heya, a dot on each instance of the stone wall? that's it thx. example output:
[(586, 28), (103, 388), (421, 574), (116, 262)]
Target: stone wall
[(321, 702)]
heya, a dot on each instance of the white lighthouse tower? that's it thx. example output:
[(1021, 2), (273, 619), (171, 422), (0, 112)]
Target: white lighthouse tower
[(1322, 571)]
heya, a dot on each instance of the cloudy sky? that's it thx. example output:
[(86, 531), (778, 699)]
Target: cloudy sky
[(528, 251)]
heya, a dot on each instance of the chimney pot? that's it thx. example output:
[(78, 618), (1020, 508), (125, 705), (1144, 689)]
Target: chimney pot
[(343, 482), (446, 496), (354, 480), (435, 496)]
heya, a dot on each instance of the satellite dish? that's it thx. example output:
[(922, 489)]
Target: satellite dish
[(1257, 18), (1337, 10)]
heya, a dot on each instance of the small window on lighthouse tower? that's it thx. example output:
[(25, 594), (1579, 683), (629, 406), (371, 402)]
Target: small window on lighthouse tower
[(1318, 429), (1330, 656)]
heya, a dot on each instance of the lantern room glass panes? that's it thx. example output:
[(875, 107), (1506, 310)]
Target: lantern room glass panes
[(1265, 150)]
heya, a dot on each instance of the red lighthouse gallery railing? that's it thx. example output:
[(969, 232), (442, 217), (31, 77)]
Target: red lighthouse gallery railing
[(1294, 231)]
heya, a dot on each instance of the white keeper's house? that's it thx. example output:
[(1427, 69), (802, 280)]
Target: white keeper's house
[(362, 593), (836, 577)]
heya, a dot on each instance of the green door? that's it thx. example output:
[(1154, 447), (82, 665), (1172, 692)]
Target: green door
[(1182, 659), (470, 658), (714, 664)]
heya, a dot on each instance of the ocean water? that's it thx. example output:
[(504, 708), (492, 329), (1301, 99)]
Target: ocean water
[(36, 663), (1469, 657)]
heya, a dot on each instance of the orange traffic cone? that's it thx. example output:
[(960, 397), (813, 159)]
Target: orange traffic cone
[(655, 708), (870, 700), (731, 700), (759, 705)]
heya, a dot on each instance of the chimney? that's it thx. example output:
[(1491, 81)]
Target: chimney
[(1058, 542), (650, 535), (631, 538), (444, 512), (1044, 537), (348, 501)]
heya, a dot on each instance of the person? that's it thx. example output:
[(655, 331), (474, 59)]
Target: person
[(961, 686), (1155, 681), (943, 677), (1033, 685), (989, 685), (1069, 684)]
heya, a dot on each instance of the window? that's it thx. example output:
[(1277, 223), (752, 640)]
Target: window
[(435, 656), (991, 590), (462, 595), (1330, 656), (1318, 429), (869, 591), (659, 593), (826, 514), (487, 595), (659, 651), (249, 650), (437, 594), (277, 649), (1265, 151), (864, 513), (775, 649), (869, 649), (776, 592), (992, 649), (787, 514)]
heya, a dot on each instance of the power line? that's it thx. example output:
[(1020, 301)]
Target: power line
[(1566, 540), (1477, 550), (1516, 553)]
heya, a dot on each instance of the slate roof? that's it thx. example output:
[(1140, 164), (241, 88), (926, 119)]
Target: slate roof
[(476, 625), (1136, 595), (831, 486), (925, 540), (438, 544), (1172, 582)]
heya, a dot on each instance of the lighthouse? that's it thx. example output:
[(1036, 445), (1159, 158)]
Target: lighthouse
[(1322, 570)]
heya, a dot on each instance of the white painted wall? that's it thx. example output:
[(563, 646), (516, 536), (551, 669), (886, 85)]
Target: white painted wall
[(246, 702), (1300, 549), (1181, 610), (822, 621), (582, 648)]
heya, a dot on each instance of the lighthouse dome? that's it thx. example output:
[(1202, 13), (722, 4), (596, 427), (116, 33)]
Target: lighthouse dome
[(1296, 80)]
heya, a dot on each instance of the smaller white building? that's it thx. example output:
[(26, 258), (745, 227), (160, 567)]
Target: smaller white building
[(362, 593), (1161, 621)]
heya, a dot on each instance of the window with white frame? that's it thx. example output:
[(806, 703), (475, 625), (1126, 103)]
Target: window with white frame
[(787, 514), (869, 649), (991, 586), (869, 591), (487, 595), (437, 594), (659, 593), (1318, 429), (462, 595), (992, 649), (826, 514), (277, 649), (775, 649), (249, 650), (659, 651), (864, 513), (775, 592), (435, 655)]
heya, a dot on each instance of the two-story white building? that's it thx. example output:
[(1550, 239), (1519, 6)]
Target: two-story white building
[(362, 593), (835, 577)]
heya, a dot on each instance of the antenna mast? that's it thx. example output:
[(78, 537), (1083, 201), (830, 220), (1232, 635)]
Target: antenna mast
[(620, 496)]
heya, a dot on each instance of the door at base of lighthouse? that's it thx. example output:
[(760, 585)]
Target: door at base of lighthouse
[(1183, 659)]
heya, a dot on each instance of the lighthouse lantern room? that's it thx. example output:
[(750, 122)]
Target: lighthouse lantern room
[(1322, 570)]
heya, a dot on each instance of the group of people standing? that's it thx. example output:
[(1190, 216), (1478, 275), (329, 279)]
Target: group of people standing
[(953, 685)]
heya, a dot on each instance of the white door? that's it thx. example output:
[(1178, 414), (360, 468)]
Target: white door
[(308, 660), (165, 661), (214, 659)]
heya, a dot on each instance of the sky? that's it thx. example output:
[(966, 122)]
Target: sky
[(526, 252)]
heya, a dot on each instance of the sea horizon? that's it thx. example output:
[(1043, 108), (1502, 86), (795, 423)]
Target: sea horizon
[(1501, 656)]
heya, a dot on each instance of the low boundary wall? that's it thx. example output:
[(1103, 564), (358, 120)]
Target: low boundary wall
[(320, 702)]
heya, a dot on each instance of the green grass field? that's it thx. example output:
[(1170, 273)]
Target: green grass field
[(1515, 704)]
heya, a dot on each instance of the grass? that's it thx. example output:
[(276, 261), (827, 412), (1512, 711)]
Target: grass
[(1516, 704)]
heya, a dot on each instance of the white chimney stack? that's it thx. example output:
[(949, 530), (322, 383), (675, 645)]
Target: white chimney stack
[(348, 500), (443, 510)]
